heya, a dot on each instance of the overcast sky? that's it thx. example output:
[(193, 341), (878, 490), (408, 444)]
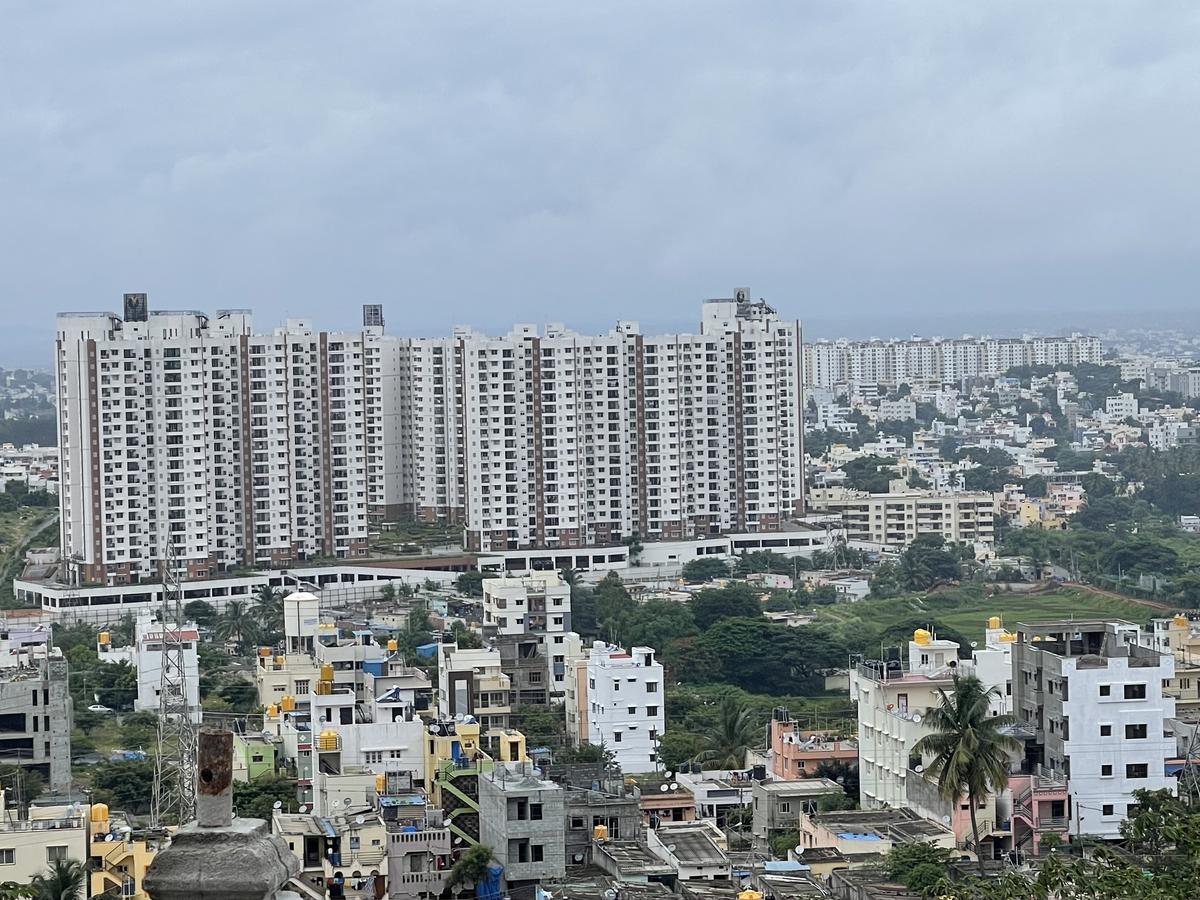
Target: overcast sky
[(870, 167)]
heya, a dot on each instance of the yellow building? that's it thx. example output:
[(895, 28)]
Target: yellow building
[(119, 857)]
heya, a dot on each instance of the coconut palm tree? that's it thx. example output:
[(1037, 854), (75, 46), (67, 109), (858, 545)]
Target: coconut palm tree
[(735, 731), (971, 754), (236, 623), (268, 608), (62, 881)]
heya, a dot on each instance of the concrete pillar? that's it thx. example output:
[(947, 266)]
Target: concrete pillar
[(218, 857)]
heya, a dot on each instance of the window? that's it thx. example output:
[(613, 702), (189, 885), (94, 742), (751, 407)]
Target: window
[(1107, 809), (1137, 770), (1135, 732), (538, 854), (785, 807), (1105, 731), (56, 853), (651, 687), (652, 710), (632, 710), (617, 738), (1135, 692), (576, 822), (301, 686), (1106, 771), (535, 811), (8, 856), (1105, 690)]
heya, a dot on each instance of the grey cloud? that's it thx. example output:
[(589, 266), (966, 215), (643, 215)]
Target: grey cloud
[(863, 165)]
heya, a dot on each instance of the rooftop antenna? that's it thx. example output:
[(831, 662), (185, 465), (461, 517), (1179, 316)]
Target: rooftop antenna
[(174, 794)]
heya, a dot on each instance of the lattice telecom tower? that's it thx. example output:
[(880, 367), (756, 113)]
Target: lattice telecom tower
[(175, 764)]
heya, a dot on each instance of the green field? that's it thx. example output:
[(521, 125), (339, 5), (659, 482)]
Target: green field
[(966, 610), (19, 530)]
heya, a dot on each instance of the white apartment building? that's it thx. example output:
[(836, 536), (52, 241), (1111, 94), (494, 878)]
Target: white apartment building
[(145, 655), (1093, 696), (234, 447), (537, 603), (557, 439), (897, 519), (897, 410), (626, 704), (938, 361), (1122, 406)]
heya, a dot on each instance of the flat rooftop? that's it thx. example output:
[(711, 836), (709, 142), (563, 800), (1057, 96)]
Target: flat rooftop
[(799, 787), (890, 824)]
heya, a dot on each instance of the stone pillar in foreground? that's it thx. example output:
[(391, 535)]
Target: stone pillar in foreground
[(218, 857)]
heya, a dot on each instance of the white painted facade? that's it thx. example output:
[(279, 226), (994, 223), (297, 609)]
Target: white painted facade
[(626, 704), (145, 655)]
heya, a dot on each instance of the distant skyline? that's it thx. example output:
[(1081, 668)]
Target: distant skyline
[(872, 169)]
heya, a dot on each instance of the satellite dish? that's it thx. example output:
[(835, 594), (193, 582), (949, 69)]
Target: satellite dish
[(799, 851), (945, 820), (670, 848), (360, 820), (435, 728), (345, 801), (578, 857), (664, 787), (610, 894), (916, 718), (918, 769), (108, 838), (674, 785), (278, 804)]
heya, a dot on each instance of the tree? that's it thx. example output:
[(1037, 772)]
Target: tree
[(970, 752), (201, 612), (122, 634), (387, 593), (470, 583), (730, 602), (464, 637), (926, 561), (704, 569), (256, 799), (1096, 485), (124, 785), (63, 880), (237, 624), (268, 609), (676, 748), (873, 474), (472, 867), (1035, 486), (543, 726), (724, 746)]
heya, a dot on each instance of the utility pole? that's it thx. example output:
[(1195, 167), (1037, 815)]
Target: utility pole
[(175, 763)]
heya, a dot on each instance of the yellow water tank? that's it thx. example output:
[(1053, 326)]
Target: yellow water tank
[(393, 645), (749, 894), (921, 636), (99, 812), (1036, 638), (600, 833), (264, 651), (287, 703), (994, 622), (327, 672), (1008, 637), (327, 740), (272, 711), (279, 660), (104, 638), (1181, 621), (324, 688), (380, 783)]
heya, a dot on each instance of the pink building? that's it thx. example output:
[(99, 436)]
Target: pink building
[(1039, 807), (797, 754)]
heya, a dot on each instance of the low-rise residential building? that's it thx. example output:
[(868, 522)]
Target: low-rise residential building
[(626, 704), (897, 519), (36, 722), (664, 799), (1093, 696), (472, 683), (521, 818), (794, 753), (30, 842), (777, 804), (859, 831), (697, 850), (120, 853), (145, 655)]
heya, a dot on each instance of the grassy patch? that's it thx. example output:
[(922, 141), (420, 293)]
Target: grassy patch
[(18, 531), (966, 609)]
